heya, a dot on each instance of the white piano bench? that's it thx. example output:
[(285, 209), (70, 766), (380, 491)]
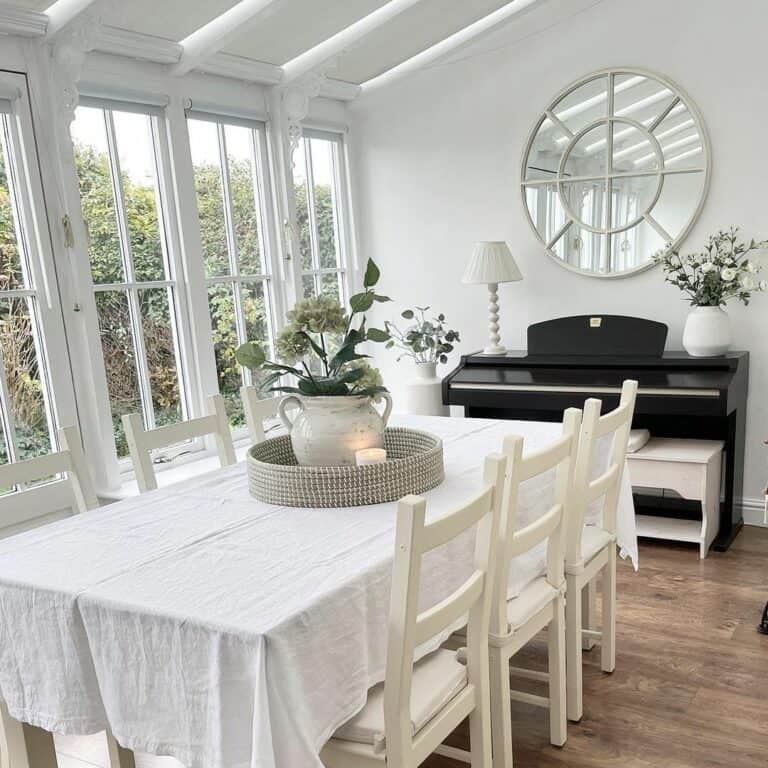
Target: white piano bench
[(691, 468)]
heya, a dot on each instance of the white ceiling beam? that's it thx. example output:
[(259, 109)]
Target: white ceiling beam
[(20, 21), (123, 42), (241, 68), (449, 44), (343, 40), (64, 12), (214, 35)]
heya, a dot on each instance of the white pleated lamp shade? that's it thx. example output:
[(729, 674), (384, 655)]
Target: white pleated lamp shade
[(491, 262)]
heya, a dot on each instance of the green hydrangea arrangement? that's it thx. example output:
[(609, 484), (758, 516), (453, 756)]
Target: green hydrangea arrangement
[(320, 328), (720, 272)]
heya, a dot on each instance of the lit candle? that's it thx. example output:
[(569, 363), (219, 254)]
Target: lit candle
[(368, 456)]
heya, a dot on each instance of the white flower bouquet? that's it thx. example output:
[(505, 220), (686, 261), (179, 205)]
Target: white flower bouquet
[(720, 272)]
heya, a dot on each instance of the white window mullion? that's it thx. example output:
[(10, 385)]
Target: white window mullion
[(177, 309), (259, 174), (340, 216), (229, 223), (132, 294), (314, 235)]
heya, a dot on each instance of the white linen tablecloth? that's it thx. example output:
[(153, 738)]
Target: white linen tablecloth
[(200, 623)]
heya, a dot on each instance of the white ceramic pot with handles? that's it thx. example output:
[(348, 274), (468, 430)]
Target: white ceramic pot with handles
[(328, 431)]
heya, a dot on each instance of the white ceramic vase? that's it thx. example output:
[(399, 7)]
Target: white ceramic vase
[(707, 332), (423, 392), (327, 431)]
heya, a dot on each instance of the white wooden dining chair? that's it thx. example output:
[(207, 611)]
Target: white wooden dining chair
[(407, 717), (69, 461), (22, 745), (514, 622), (257, 411), (141, 441), (591, 548)]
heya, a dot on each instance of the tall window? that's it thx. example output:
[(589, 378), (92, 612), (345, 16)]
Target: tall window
[(118, 162), (229, 159), (320, 195), (26, 413)]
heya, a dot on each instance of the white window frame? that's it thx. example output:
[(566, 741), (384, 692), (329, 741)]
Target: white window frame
[(341, 206), (264, 202), (174, 282), (41, 295)]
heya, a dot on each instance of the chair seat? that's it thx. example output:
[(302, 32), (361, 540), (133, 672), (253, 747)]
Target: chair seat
[(437, 678), (529, 602), (594, 540)]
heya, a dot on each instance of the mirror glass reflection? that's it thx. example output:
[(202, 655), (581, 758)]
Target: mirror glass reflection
[(616, 169)]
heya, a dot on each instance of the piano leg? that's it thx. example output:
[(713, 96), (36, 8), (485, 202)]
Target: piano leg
[(731, 520)]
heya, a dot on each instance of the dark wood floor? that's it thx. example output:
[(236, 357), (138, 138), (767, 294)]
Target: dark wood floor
[(690, 688)]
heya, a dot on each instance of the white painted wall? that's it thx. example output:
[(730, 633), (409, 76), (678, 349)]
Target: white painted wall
[(437, 156)]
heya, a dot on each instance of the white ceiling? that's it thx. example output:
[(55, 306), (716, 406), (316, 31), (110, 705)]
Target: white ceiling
[(287, 28), (291, 27)]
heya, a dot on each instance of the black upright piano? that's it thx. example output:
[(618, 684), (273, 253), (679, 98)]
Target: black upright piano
[(571, 359)]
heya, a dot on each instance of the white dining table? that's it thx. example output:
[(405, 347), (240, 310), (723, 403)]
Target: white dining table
[(197, 622)]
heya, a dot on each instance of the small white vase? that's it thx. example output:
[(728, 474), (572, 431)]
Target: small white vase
[(423, 393), (328, 431), (707, 332)]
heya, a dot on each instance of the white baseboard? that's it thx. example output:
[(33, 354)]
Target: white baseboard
[(753, 511)]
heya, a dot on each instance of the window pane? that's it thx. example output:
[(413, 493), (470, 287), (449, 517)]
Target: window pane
[(324, 175), (160, 347), (331, 285), (225, 341), (244, 193), (308, 283), (302, 211), (97, 194), (11, 275), (21, 363), (119, 360), (204, 143), (256, 312), (135, 147)]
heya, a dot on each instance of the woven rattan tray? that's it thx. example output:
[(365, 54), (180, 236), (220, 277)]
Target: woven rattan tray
[(414, 465)]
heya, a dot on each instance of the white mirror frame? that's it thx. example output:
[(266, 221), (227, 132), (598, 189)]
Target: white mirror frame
[(679, 96)]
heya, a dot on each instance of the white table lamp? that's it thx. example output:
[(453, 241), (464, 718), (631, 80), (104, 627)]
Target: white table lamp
[(491, 264)]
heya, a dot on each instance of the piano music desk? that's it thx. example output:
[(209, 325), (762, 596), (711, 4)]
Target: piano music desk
[(692, 468)]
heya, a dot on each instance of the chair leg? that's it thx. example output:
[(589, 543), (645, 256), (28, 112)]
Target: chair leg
[(573, 647), (118, 757), (558, 725), (24, 746), (608, 645), (588, 610), (480, 726), (501, 715)]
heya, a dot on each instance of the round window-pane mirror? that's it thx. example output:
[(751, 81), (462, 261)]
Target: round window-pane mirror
[(616, 169)]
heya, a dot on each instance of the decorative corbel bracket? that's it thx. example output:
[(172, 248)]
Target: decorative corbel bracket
[(69, 48), (296, 99)]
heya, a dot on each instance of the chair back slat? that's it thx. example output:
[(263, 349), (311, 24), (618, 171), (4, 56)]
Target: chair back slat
[(542, 461), (408, 629), (534, 533), (448, 527), (447, 612), (616, 426), (29, 470), (560, 456), (141, 442), (170, 434), (600, 485), (257, 411), (69, 461)]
